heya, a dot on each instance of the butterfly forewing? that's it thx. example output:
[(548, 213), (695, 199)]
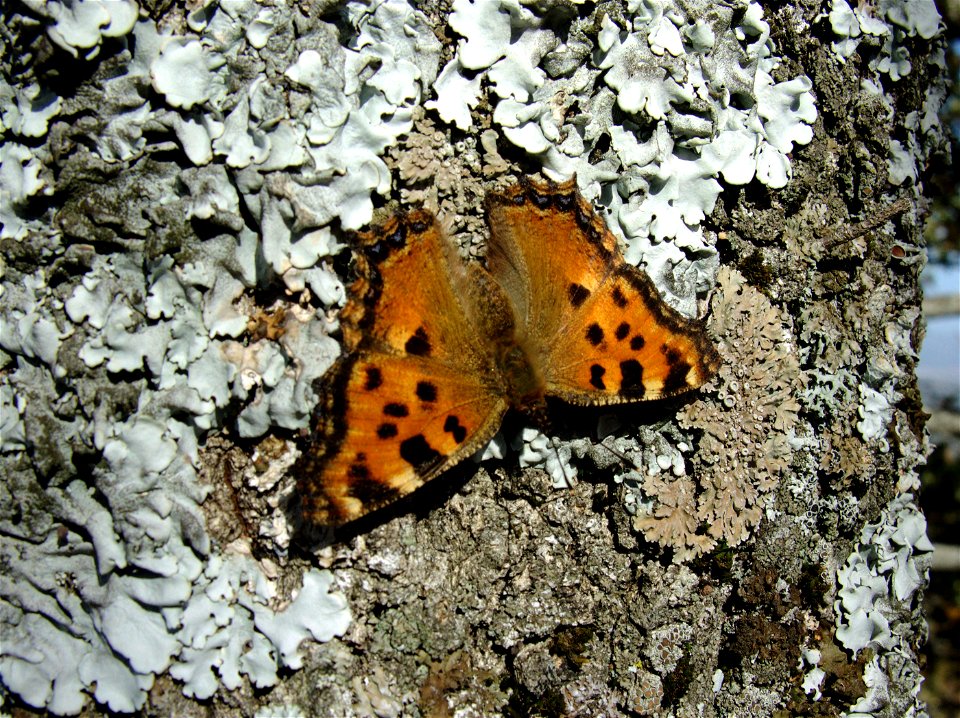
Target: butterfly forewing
[(538, 255), (407, 300), (418, 390), (596, 326)]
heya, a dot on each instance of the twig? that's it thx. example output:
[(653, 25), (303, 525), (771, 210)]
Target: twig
[(848, 234)]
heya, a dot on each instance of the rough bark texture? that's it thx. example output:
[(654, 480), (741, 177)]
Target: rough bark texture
[(491, 592)]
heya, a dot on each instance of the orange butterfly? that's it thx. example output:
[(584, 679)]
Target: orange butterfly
[(438, 349)]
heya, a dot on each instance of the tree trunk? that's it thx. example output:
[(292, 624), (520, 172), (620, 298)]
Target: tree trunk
[(178, 187)]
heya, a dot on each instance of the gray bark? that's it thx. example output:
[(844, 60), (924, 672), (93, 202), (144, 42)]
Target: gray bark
[(492, 592)]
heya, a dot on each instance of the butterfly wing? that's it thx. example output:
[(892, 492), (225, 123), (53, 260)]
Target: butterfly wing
[(416, 391), (596, 326)]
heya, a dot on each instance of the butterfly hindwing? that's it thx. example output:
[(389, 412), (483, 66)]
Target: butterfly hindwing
[(627, 345), (391, 423)]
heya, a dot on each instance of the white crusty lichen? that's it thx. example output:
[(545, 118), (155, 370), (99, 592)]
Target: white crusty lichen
[(79, 26), (229, 631), (20, 177), (878, 602), (27, 111), (113, 379), (537, 449), (888, 24), (882, 33)]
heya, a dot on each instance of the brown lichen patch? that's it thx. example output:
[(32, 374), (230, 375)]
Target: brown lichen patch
[(842, 684), (572, 644), (440, 173), (448, 174), (647, 695), (428, 157), (267, 324), (665, 646), (770, 628), (845, 459), (451, 683), (824, 335), (745, 415)]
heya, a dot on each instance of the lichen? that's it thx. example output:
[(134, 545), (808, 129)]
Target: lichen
[(172, 283), (83, 24), (746, 422), (537, 449), (877, 602), (126, 362), (20, 174), (887, 24)]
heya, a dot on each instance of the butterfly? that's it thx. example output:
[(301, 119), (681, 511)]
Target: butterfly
[(438, 349)]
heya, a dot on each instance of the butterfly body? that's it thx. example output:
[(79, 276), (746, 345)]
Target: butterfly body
[(438, 349)]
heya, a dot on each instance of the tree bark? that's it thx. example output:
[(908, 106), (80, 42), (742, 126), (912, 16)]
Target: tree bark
[(490, 591)]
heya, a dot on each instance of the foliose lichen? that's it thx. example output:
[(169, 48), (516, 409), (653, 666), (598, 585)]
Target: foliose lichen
[(692, 501), (878, 605), (116, 373)]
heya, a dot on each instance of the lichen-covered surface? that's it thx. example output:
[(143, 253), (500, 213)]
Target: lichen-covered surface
[(177, 186)]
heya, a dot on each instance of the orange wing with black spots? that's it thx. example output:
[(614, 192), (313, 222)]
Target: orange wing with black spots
[(417, 391), (594, 326)]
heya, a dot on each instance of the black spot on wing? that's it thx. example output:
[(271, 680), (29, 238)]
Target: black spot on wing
[(374, 378), (418, 344), (387, 430), (371, 492), (578, 294), (676, 378), (584, 220), (393, 241), (418, 453), (622, 331), (358, 471), (426, 391), (596, 377), (419, 226), (594, 334), (671, 354), (396, 409), (453, 426), (618, 298), (637, 342), (542, 201), (631, 377)]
